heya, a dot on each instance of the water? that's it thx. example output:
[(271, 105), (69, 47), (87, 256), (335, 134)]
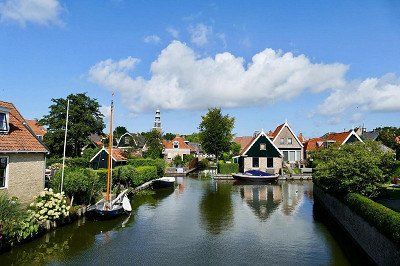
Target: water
[(199, 222)]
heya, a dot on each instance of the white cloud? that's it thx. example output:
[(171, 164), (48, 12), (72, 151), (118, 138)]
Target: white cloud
[(180, 79), (200, 34), (222, 38), (174, 32), (43, 12), (372, 94), (152, 39)]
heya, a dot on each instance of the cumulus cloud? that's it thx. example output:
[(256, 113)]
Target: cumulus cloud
[(152, 39), (174, 32), (43, 12), (199, 34), (372, 94), (180, 79)]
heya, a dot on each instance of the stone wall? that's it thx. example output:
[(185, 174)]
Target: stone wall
[(248, 164), (25, 175), (378, 247)]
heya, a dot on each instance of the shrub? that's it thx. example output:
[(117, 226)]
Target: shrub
[(227, 168), (177, 161), (204, 164), (158, 163), (123, 174), (187, 158), (143, 174), (49, 206), (384, 219), (82, 184), (358, 167), (53, 160)]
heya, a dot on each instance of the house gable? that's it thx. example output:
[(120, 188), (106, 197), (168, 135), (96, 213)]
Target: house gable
[(254, 149), (286, 133), (126, 140)]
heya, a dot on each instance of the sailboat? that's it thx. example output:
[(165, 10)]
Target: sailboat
[(109, 207)]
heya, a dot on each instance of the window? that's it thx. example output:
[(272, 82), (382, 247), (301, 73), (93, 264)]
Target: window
[(3, 171), (282, 141), (176, 145), (270, 162), (298, 155), (40, 137), (3, 122), (256, 162), (291, 156), (289, 141), (263, 146), (126, 140), (285, 156)]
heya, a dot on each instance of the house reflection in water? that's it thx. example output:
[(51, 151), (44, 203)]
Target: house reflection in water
[(265, 199)]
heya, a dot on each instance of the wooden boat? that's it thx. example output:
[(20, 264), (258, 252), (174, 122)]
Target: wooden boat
[(164, 182), (108, 208), (255, 176)]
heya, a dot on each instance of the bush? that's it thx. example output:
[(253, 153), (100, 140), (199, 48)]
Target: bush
[(358, 167), (187, 158), (53, 160), (204, 164), (49, 206), (384, 219), (177, 161), (227, 168), (143, 174), (82, 184), (158, 163)]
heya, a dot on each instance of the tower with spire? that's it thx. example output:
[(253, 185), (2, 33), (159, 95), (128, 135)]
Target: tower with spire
[(157, 121)]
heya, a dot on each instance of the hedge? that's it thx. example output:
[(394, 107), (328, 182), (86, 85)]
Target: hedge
[(142, 174), (382, 218), (228, 168), (158, 163)]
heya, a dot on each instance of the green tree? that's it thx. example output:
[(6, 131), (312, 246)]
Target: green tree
[(235, 148), (85, 118), (153, 144), (169, 136), (387, 136), (216, 132), (119, 131), (194, 137)]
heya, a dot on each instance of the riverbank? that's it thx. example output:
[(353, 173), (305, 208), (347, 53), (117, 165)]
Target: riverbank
[(282, 177), (376, 246)]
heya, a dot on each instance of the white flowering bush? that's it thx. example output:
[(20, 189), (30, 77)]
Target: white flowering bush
[(50, 206)]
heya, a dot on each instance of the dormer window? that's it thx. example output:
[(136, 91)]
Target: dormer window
[(176, 144), (263, 146), (289, 141), (4, 122)]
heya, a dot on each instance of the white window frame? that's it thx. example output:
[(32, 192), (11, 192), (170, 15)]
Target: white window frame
[(282, 141), (289, 141), (271, 158), (7, 172), (252, 163), (175, 143), (263, 146), (7, 121)]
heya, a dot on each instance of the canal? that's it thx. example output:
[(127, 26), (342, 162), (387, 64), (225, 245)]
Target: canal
[(198, 222)]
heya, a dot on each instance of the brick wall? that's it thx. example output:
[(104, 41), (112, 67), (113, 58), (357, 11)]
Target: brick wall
[(25, 175), (248, 164)]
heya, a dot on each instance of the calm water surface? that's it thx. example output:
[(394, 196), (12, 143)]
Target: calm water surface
[(199, 222)]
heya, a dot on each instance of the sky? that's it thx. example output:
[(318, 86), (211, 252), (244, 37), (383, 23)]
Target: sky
[(321, 65)]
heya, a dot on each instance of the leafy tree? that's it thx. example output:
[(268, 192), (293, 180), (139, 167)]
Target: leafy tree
[(216, 132), (177, 161), (85, 118), (194, 137), (357, 167), (235, 148), (153, 144), (169, 136), (119, 131), (387, 136)]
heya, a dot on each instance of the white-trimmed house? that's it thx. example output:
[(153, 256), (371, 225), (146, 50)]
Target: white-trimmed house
[(258, 153), (100, 159)]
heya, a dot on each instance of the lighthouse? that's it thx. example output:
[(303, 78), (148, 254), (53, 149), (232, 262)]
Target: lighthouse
[(157, 121)]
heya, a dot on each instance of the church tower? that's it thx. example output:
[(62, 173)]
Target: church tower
[(157, 121)]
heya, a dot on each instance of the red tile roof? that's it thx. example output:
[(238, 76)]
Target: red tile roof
[(301, 138), (119, 155), (313, 144), (243, 142), (338, 137), (170, 144), (19, 138), (36, 128), (276, 131)]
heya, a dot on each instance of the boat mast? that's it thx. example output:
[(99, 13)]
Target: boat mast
[(110, 144), (65, 148)]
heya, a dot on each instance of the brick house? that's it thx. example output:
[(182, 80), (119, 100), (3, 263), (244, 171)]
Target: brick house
[(22, 156), (176, 147)]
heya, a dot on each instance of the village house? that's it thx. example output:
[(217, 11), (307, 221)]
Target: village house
[(38, 129), (258, 153), (22, 156), (176, 147), (100, 160), (132, 143), (329, 139)]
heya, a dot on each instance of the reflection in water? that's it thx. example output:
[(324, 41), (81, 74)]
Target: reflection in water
[(216, 207)]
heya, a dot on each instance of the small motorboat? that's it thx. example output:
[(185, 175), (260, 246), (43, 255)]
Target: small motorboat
[(104, 209), (255, 175), (164, 182)]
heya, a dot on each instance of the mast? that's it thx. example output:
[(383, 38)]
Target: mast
[(65, 148), (110, 144)]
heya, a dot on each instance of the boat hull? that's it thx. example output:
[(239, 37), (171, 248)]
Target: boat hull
[(244, 177), (163, 184), (99, 214)]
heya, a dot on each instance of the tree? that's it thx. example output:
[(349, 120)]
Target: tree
[(216, 132), (235, 148), (169, 136), (387, 136), (85, 118), (119, 131), (194, 137), (153, 144)]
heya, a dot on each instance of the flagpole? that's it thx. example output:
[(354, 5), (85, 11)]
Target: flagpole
[(65, 148)]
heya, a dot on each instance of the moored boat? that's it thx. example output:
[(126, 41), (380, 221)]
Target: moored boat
[(255, 176), (164, 182)]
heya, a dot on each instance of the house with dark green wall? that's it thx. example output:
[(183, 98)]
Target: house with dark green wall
[(100, 160)]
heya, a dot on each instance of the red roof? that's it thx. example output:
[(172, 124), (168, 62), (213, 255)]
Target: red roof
[(243, 142), (169, 144), (36, 128), (301, 138), (276, 131), (118, 154), (313, 144), (19, 138), (338, 137)]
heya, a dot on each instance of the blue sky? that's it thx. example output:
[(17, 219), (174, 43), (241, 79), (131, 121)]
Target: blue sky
[(51, 48)]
